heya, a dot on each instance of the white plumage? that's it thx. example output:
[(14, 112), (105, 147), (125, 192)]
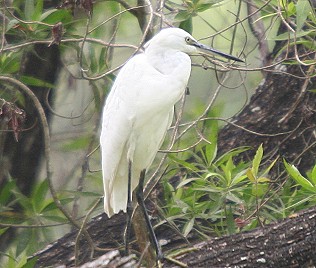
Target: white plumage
[(139, 110)]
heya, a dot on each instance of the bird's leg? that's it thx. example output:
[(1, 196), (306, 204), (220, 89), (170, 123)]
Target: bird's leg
[(141, 202), (129, 208)]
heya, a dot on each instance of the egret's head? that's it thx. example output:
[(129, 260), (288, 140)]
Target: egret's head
[(180, 40), (172, 38)]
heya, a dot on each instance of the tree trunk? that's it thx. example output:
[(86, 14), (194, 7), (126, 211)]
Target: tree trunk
[(21, 160), (288, 243), (280, 115)]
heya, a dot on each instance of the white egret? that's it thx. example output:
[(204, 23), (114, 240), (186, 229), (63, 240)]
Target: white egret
[(137, 114)]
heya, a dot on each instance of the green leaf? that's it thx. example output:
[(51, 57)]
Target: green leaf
[(32, 81), (286, 36), (93, 59), (10, 62), (251, 176), (24, 201), (182, 16), (296, 175), (263, 179), (38, 10), (230, 196), (210, 190), (55, 218), (39, 196), (12, 262), (30, 263), (212, 125), (52, 206), (188, 227), (313, 175), (256, 161), (303, 8), (97, 97), (6, 192), (230, 154), (228, 169), (53, 16), (186, 181), (239, 177), (214, 174), (211, 152), (178, 193), (259, 189), (24, 239), (288, 8), (183, 163), (300, 202), (309, 44), (29, 9), (203, 7), (3, 230), (102, 59), (11, 24), (231, 226), (168, 188), (187, 25)]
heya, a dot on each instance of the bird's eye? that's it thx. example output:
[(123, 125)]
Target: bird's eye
[(188, 39)]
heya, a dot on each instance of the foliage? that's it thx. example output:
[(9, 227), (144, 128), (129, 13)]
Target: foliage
[(189, 9), (36, 216), (215, 194), (301, 27), (218, 196)]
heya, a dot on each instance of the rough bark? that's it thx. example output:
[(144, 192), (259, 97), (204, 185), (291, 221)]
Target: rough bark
[(288, 243), (106, 234), (283, 103)]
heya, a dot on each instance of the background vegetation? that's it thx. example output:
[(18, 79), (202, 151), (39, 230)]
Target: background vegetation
[(58, 60)]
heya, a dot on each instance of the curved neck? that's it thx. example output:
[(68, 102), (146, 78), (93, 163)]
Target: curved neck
[(165, 60)]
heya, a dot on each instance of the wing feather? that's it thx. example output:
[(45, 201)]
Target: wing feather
[(136, 116)]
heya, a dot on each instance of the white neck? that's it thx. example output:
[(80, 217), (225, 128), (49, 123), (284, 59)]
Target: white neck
[(166, 60)]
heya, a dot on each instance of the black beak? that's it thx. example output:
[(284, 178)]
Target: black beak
[(209, 49)]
